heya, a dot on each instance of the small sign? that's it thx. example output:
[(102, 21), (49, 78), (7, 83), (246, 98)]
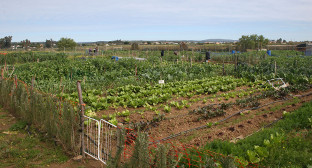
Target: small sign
[(161, 81)]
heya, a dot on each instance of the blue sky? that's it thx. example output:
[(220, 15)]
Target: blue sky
[(97, 20)]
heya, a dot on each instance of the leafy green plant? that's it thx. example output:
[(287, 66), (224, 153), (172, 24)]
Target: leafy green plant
[(310, 121), (209, 124), (167, 108), (253, 156)]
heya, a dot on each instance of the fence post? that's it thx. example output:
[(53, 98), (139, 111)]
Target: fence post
[(191, 61), (2, 73), (32, 82), (275, 68), (223, 69), (136, 70), (15, 80), (82, 106)]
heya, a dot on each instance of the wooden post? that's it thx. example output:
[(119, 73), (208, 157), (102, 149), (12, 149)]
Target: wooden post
[(2, 73), (275, 68), (15, 80), (223, 69), (235, 62), (82, 106), (191, 61), (60, 83), (32, 82), (192, 56)]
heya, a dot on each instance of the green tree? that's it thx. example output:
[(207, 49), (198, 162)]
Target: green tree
[(183, 46), (49, 43), (66, 43), (25, 43), (279, 41), (6, 42), (252, 42), (134, 46)]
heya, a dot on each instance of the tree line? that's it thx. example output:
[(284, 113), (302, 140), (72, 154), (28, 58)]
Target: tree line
[(246, 42), (67, 43)]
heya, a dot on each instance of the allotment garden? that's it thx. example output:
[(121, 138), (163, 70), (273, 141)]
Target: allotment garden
[(219, 105)]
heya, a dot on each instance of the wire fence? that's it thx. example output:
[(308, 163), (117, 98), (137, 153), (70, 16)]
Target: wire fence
[(141, 150), (52, 115)]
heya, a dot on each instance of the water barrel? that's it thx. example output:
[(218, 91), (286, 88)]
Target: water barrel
[(233, 51), (116, 58), (269, 52)]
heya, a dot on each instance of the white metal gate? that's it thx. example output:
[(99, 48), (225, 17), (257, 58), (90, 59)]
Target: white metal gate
[(100, 136)]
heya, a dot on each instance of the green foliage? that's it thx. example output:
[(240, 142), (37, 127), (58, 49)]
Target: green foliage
[(104, 73), (274, 146), (20, 125), (22, 150), (5, 42), (208, 112), (49, 43), (140, 156), (143, 155), (67, 43), (183, 46), (25, 57), (252, 42), (294, 70), (167, 108), (25, 43), (134, 46), (41, 110)]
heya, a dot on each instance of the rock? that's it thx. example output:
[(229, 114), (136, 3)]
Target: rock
[(233, 141), (77, 158), (240, 137)]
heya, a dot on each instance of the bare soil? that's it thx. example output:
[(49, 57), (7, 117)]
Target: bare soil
[(236, 127)]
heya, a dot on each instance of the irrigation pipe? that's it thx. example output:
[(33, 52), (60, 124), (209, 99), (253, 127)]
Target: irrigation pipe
[(275, 121)]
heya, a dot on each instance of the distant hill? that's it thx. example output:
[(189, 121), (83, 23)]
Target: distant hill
[(219, 40), (200, 41)]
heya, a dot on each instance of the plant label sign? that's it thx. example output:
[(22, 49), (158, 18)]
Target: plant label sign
[(161, 81)]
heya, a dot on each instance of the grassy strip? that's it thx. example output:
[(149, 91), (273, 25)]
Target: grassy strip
[(17, 149)]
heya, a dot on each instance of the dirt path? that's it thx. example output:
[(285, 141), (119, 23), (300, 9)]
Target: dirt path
[(20, 149)]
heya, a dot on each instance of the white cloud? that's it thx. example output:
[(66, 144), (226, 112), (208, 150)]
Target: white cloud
[(299, 10)]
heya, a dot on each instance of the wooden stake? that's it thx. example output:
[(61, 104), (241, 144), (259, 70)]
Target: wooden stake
[(2, 73), (191, 62), (223, 69), (82, 106), (275, 68), (32, 82)]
